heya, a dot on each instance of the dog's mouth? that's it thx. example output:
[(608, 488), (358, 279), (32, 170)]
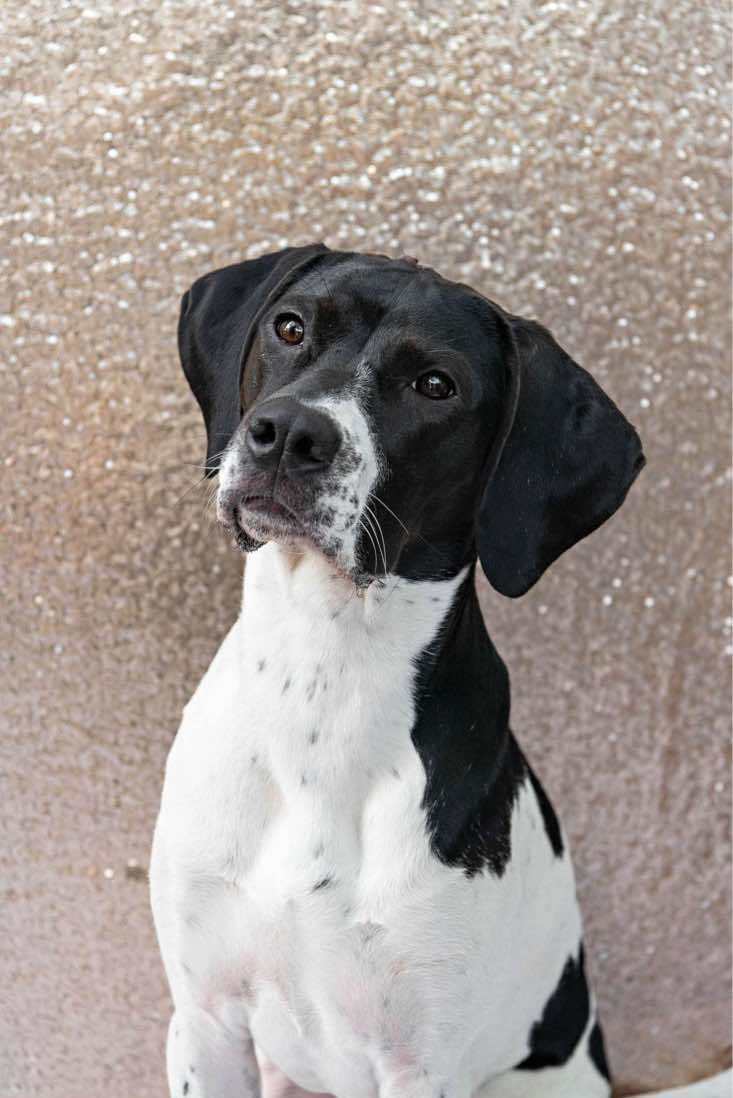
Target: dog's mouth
[(259, 517), (296, 517), (267, 508), (262, 512)]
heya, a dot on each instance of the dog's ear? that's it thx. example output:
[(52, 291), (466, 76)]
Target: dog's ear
[(563, 465), (215, 329)]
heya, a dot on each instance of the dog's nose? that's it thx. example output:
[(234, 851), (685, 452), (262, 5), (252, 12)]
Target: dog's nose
[(287, 433)]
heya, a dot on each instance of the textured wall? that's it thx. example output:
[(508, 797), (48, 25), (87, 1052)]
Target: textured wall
[(569, 158)]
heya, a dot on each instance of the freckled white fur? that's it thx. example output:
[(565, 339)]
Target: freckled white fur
[(294, 767), (351, 484)]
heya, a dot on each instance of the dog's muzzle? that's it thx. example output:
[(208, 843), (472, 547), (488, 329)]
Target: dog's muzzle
[(278, 470)]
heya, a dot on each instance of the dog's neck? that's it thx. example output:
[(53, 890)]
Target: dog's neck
[(304, 588), (331, 668), (369, 678), (299, 612)]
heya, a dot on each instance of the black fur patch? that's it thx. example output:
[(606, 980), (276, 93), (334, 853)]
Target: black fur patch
[(554, 1038), (552, 827), (597, 1051), (473, 765)]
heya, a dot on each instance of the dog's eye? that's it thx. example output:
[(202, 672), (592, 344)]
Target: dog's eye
[(435, 385), (289, 328)]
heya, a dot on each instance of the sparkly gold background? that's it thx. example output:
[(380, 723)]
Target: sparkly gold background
[(570, 159)]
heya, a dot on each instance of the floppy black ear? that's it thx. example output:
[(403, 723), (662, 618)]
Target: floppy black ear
[(215, 328), (568, 460)]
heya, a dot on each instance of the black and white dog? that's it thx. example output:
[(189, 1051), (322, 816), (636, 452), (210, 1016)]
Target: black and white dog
[(356, 876)]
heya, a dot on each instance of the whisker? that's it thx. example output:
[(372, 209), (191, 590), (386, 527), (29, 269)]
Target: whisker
[(209, 503), (210, 457), (373, 536), (409, 533), (208, 464), (198, 465), (380, 534), (196, 484), (373, 516), (378, 499), (371, 539)]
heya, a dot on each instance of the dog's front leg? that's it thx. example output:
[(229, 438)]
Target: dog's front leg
[(207, 1060)]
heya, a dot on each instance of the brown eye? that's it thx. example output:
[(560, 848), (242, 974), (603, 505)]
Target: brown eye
[(435, 385), (290, 328)]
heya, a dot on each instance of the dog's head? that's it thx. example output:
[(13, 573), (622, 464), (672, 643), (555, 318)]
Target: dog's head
[(396, 421)]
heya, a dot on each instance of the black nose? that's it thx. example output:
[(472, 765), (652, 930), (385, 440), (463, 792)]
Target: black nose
[(287, 433)]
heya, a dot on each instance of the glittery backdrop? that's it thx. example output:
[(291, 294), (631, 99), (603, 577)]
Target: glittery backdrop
[(570, 159)]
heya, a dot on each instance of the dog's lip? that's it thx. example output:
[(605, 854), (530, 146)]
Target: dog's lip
[(265, 506)]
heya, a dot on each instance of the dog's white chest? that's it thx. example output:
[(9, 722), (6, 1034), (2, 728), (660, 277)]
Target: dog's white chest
[(291, 855), (295, 891)]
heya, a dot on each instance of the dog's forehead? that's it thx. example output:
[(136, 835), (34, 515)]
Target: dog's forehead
[(344, 279), (374, 289)]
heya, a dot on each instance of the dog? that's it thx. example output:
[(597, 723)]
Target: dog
[(358, 882)]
